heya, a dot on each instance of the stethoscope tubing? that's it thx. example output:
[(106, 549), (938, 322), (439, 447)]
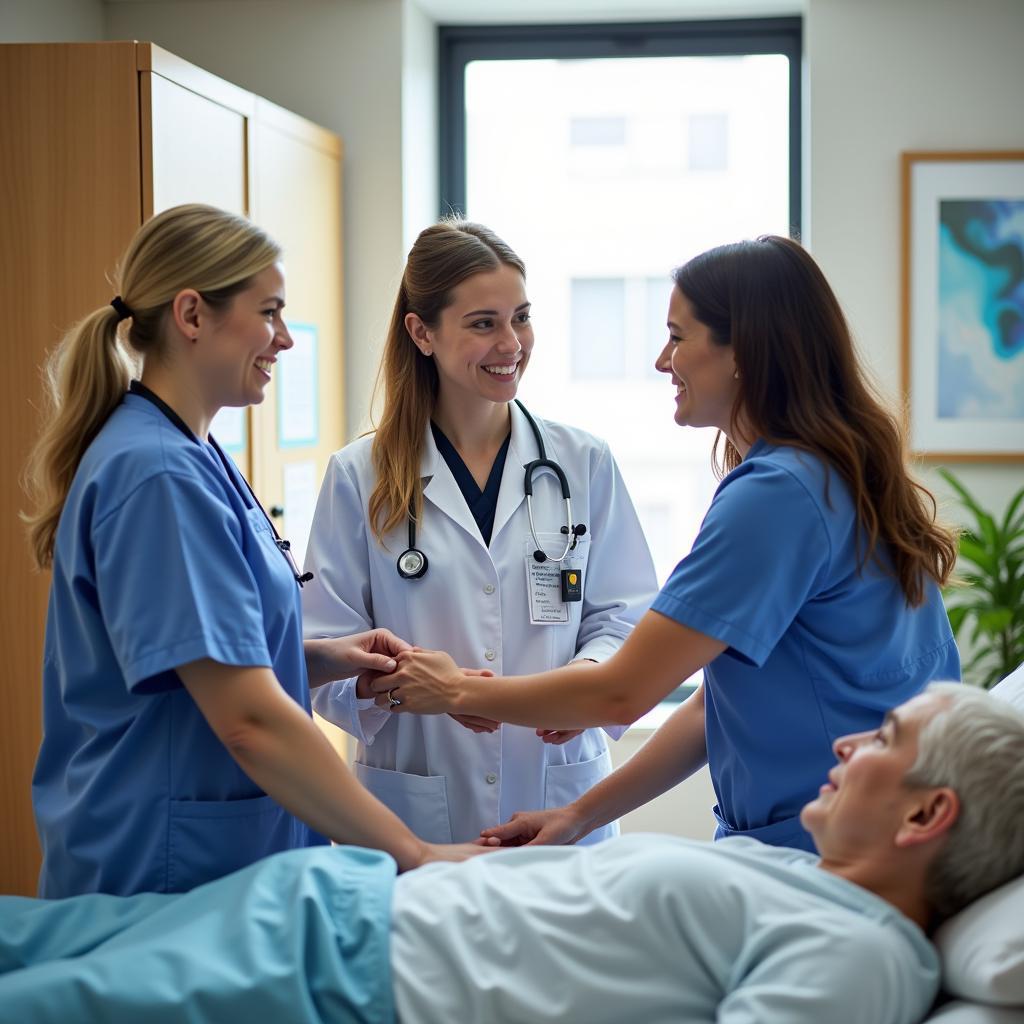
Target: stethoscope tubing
[(412, 563)]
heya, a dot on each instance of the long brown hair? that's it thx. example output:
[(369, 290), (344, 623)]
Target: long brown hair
[(192, 246), (442, 257), (800, 384)]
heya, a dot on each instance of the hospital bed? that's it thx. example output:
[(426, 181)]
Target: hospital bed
[(982, 951), (982, 947)]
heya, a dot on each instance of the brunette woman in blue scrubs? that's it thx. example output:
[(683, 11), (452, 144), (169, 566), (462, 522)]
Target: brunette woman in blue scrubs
[(177, 743), (810, 598)]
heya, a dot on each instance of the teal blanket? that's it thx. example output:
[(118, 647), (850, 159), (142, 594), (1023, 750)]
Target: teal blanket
[(298, 937)]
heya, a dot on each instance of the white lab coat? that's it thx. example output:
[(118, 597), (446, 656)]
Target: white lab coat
[(444, 781)]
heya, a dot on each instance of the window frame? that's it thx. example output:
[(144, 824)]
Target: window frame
[(458, 45)]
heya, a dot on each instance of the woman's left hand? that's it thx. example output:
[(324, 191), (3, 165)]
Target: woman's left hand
[(340, 657), (559, 736), (425, 683)]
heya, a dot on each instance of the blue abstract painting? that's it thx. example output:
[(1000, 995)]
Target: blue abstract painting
[(981, 309)]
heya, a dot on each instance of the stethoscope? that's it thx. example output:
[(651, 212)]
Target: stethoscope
[(412, 563), (138, 388)]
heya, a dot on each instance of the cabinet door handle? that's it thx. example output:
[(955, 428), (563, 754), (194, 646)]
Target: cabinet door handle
[(276, 511)]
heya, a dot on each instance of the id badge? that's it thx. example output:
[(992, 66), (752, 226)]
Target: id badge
[(544, 586)]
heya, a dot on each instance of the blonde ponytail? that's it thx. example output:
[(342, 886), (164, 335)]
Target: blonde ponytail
[(84, 379)]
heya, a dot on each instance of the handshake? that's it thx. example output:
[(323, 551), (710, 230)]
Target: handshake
[(413, 680)]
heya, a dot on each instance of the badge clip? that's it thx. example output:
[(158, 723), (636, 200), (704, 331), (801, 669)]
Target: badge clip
[(572, 585)]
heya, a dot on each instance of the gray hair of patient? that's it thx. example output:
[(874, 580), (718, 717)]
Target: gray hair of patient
[(975, 746)]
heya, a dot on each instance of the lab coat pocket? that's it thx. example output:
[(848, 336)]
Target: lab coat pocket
[(207, 839), (421, 801), (553, 545), (563, 783), (545, 604)]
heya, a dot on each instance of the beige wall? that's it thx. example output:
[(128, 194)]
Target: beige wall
[(339, 63), (892, 75), (420, 146), (51, 21)]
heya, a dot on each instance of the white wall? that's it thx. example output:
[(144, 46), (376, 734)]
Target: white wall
[(892, 75), (420, 143), (684, 811), (50, 21), (339, 64)]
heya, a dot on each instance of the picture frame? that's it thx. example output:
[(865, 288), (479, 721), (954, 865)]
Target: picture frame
[(962, 360)]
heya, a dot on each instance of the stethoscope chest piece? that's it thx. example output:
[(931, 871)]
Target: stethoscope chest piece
[(412, 564)]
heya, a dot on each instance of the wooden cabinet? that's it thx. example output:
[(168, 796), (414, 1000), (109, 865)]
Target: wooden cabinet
[(94, 139)]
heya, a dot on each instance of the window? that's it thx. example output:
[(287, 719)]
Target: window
[(598, 320), (606, 156), (708, 142), (597, 131)]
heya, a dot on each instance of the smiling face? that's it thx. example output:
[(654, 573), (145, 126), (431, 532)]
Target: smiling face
[(702, 371), (482, 341), (865, 801), (242, 343)]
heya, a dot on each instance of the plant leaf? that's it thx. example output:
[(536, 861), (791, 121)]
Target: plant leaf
[(995, 620), (975, 552), (1010, 526), (966, 498)]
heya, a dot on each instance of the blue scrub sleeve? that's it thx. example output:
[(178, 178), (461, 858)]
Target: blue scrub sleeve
[(173, 581), (763, 550)]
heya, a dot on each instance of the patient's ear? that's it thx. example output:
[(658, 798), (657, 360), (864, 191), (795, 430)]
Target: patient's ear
[(932, 815)]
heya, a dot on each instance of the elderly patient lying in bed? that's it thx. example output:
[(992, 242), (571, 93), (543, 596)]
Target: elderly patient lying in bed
[(914, 821)]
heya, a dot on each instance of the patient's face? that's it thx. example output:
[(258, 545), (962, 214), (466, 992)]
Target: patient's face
[(864, 801)]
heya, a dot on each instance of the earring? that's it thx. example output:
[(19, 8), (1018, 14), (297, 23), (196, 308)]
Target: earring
[(736, 375)]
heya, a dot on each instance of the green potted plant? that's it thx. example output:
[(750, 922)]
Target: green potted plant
[(988, 595)]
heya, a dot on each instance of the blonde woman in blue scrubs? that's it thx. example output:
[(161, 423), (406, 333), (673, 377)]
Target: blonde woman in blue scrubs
[(810, 598), (177, 740)]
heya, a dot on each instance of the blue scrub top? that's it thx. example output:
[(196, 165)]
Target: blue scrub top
[(160, 560), (817, 647)]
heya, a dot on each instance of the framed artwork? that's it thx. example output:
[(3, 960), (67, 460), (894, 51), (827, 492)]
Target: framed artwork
[(963, 304)]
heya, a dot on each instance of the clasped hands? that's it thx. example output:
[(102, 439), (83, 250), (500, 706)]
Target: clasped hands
[(422, 674), (426, 682)]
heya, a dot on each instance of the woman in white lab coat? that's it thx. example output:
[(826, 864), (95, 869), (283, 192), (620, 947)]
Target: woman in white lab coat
[(423, 527)]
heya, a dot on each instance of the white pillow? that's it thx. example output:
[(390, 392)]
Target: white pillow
[(982, 947), (959, 1012), (1011, 688)]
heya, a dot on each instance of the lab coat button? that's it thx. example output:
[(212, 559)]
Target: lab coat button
[(489, 589), (489, 655), (491, 778)]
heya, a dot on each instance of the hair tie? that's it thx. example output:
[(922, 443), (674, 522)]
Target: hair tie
[(122, 311)]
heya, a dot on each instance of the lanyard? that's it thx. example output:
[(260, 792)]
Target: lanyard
[(138, 388)]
